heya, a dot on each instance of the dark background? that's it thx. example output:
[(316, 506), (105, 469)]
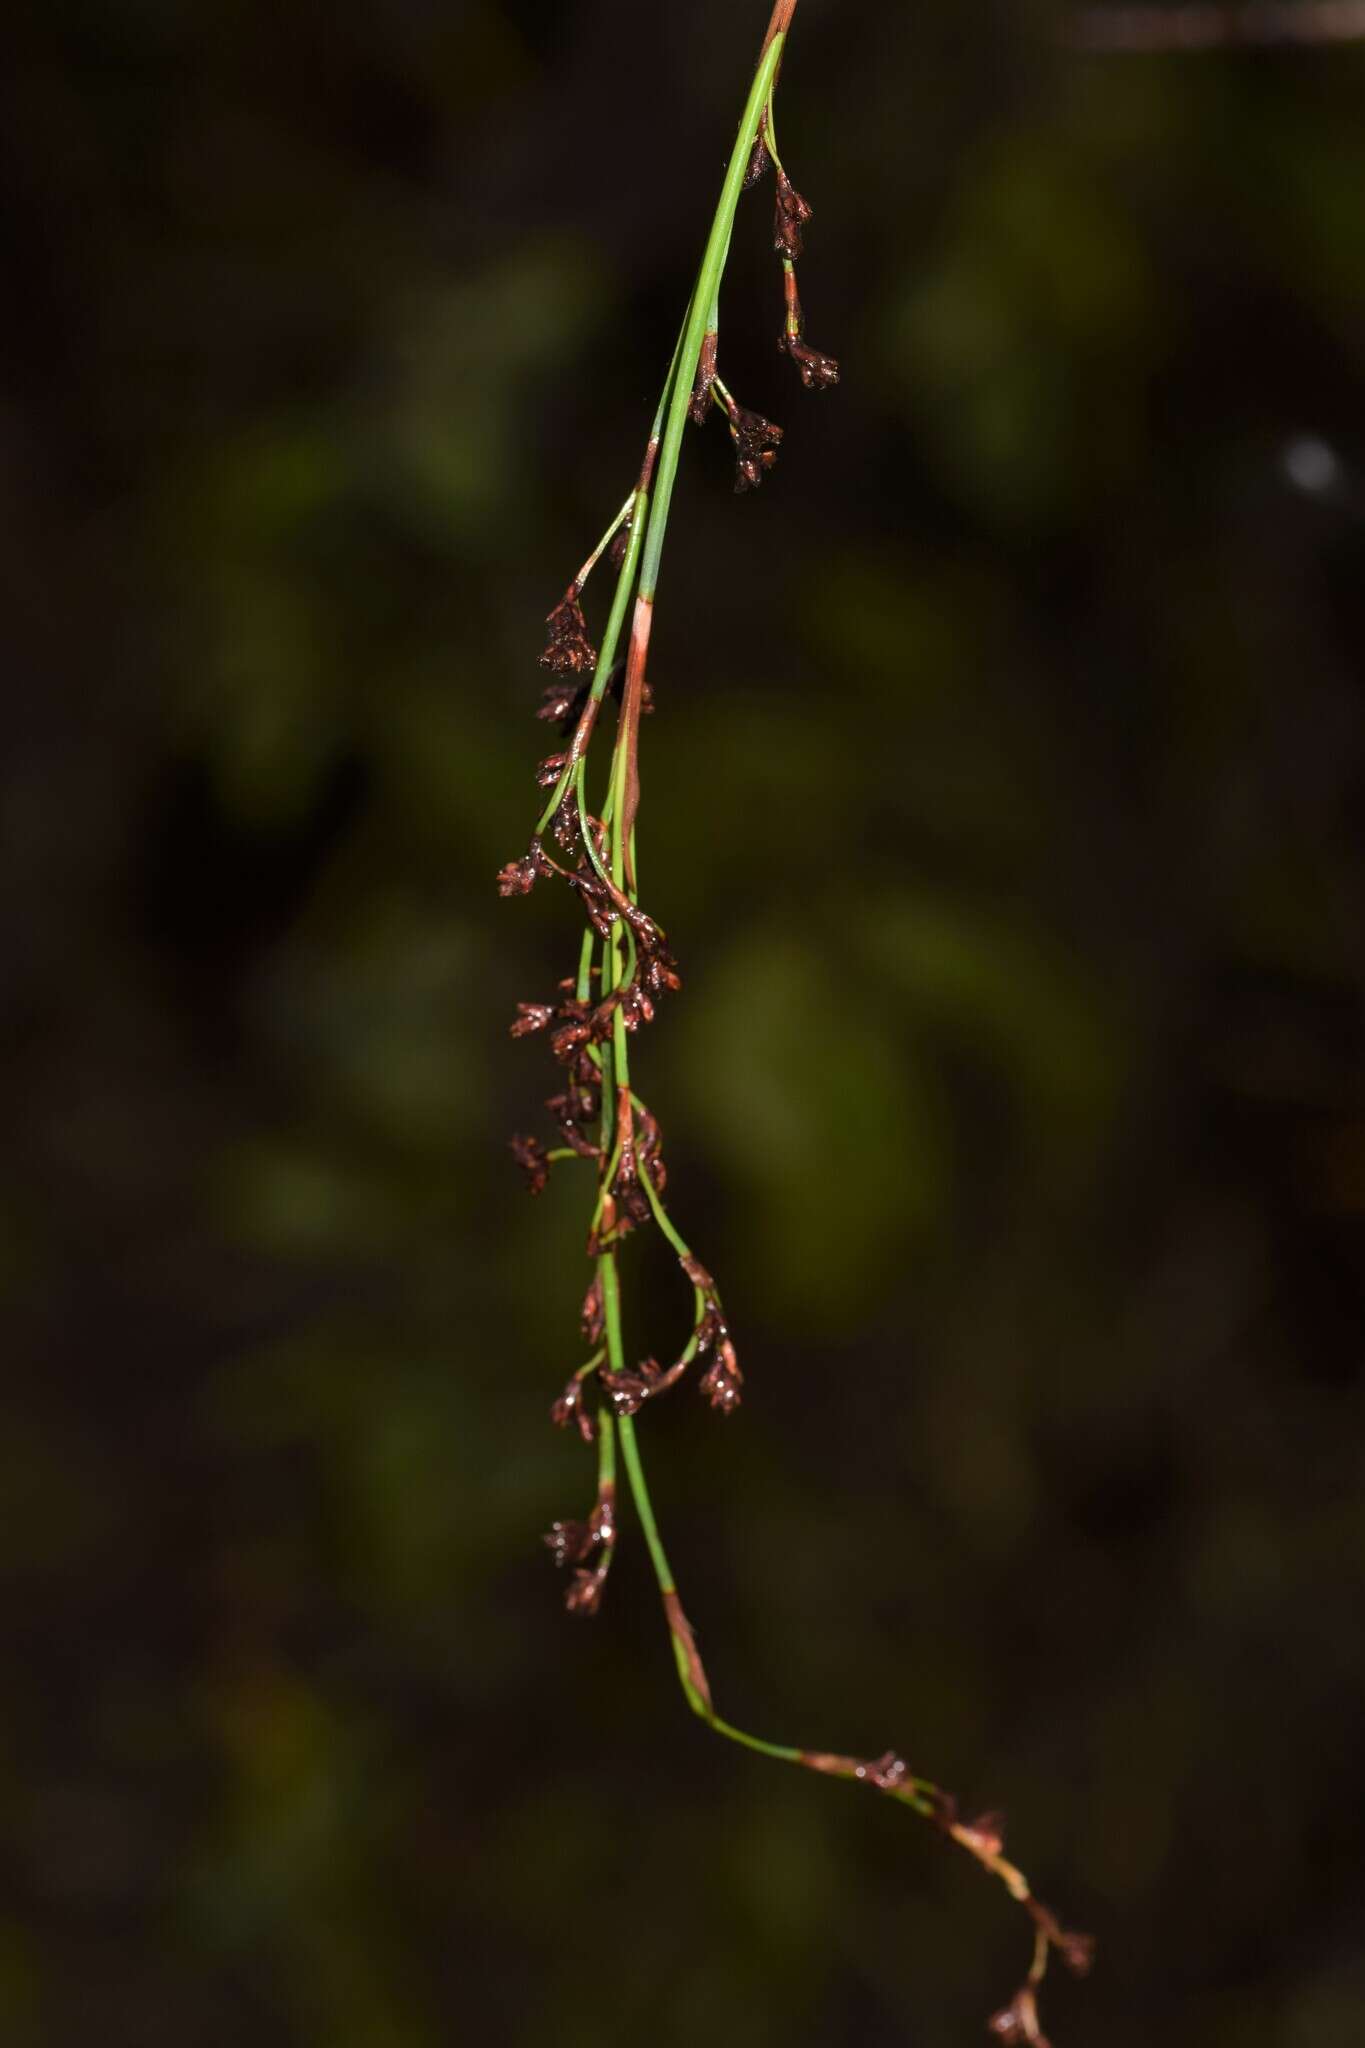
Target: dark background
[(1004, 801)]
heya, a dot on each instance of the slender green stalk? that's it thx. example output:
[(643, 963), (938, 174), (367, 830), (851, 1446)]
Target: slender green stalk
[(608, 537), (636, 508), (704, 296), (625, 952)]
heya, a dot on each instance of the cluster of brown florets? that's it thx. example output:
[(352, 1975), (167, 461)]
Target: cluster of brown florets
[(579, 1023), (589, 1546), (756, 439), (568, 650), (984, 1839), (562, 703), (708, 1344)]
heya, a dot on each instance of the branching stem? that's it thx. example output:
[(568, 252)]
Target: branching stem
[(624, 964)]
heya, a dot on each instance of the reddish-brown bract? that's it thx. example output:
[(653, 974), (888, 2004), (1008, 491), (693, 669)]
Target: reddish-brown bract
[(636, 659), (683, 1636)]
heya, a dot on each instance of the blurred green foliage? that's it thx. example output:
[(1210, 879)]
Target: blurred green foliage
[(1004, 801)]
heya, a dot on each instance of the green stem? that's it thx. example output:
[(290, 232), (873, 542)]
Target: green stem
[(608, 537), (697, 1700), (770, 131), (630, 1457), (662, 1217), (643, 555), (916, 1794), (701, 316), (583, 986), (707, 286)]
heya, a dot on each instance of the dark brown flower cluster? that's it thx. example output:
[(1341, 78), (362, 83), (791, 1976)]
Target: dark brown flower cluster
[(562, 702), (885, 1773), (722, 1379), (573, 1109), (756, 439), (533, 1160), (519, 877), (570, 1407), (605, 905), (589, 1546), (1018, 2021), (1077, 1951), (756, 443), (790, 215), (576, 1027), (983, 1838), (568, 650), (818, 371), (639, 1159), (630, 1389), (791, 212)]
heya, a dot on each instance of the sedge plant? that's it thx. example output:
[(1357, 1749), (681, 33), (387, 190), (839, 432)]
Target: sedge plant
[(588, 841)]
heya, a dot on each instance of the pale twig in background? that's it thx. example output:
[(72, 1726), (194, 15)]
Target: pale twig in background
[(1206, 26)]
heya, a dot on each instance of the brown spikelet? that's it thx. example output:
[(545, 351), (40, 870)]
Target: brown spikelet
[(568, 650)]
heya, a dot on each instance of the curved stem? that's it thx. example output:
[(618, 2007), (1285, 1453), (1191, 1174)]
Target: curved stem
[(617, 956), (608, 537)]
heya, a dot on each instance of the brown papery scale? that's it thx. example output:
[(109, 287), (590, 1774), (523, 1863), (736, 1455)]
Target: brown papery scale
[(699, 405)]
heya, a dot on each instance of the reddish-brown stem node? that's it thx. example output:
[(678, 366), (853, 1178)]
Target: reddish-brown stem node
[(779, 24), (790, 214), (629, 738), (699, 405)]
